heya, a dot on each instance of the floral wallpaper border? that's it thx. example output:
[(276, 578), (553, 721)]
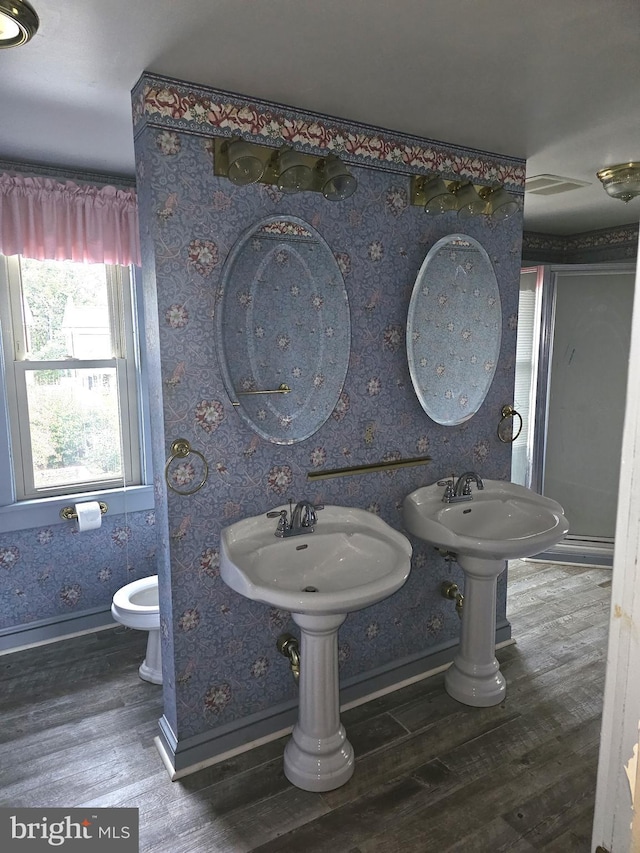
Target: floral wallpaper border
[(187, 107), (618, 243)]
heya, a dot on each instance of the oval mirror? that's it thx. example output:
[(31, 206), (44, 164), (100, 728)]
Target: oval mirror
[(454, 329), (284, 331)]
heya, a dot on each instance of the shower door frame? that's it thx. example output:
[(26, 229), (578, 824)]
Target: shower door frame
[(573, 549)]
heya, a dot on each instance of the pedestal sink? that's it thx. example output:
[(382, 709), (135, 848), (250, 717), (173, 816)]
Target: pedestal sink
[(503, 521), (350, 559)]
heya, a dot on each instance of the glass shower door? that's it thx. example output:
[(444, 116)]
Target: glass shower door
[(586, 390)]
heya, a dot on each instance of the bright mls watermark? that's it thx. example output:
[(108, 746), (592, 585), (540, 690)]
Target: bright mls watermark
[(69, 830)]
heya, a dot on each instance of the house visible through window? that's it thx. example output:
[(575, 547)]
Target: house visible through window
[(70, 376)]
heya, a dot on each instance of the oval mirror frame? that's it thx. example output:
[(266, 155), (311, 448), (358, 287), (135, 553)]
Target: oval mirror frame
[(454, 329), (283, 329)]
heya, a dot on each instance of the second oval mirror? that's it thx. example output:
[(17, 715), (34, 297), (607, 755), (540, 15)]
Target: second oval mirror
[(284, 332), (454, 329)]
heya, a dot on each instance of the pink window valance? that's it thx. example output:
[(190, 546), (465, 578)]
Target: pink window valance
[(45, 219)]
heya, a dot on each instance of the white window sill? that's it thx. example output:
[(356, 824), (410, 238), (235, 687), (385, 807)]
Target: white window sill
[(46, 511)]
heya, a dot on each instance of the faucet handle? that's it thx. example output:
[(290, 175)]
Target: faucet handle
[(283, 524), (448, 490)]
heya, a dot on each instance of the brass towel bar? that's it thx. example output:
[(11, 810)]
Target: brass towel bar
[(368, 469), (281, 389)]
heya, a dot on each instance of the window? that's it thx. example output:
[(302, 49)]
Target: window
[(70, 375), (529, 308)]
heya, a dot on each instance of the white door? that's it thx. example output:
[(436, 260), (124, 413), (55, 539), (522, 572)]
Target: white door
[(617, 813)]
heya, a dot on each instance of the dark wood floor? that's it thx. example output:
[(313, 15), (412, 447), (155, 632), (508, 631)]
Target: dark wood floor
[(431, 775)]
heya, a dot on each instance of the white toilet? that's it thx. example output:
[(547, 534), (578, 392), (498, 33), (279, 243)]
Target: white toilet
[(136, 605)]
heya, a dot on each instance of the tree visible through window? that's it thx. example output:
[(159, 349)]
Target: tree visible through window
[(70, 376)]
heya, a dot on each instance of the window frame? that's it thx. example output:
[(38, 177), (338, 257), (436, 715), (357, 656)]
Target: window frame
[(19, 508)]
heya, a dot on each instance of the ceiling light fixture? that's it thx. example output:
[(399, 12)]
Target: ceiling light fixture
[(18, 23), (621, 181)]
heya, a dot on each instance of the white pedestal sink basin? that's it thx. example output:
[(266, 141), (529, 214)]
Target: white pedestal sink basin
[(503, 521), (349, 560)]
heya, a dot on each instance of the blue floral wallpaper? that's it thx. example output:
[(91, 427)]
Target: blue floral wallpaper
[(56, 571), (224, 663)]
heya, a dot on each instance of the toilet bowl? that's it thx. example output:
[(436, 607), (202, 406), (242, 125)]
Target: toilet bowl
[(136, 605)]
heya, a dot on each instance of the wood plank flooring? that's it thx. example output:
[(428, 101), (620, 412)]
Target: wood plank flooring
[(431, 774)]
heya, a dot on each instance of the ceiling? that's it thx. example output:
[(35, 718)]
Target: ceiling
[(554, 81)]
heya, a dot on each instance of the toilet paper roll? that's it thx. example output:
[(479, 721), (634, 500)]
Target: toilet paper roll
[(89, 515)]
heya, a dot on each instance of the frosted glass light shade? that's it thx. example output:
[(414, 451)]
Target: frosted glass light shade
[(469, 202), (294, 174), (437, 197), (244, 166), (337, 181), (500, 204)]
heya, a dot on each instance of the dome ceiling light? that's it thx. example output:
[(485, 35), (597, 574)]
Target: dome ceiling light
[(18, 23), (621, 181)]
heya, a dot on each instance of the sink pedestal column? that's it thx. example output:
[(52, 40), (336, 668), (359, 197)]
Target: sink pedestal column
[(318, 757), (474, 677)]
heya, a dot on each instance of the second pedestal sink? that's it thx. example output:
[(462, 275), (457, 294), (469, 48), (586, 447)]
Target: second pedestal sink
[(348, 560), (482, 530), (501, 521)]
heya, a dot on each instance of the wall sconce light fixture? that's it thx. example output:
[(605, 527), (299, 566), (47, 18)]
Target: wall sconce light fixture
[(294, 174), (622, 181), (336, 180), (243, 166), (500, 204), (438, 196), (291, 171), (18, 23), (433, 194), (469, 202)]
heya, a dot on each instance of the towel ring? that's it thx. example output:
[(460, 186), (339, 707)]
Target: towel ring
[(180, 449), (509, 412)]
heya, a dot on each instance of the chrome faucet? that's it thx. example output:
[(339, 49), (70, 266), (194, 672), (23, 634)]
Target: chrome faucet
[(463, 487), (302, 519), (459, 489)]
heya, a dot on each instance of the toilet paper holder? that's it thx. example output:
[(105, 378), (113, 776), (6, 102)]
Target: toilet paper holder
[(69, 512)]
